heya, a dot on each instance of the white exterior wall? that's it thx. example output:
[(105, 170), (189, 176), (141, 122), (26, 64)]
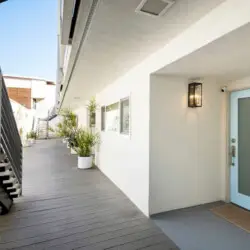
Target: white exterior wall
[(24, 118), (38, 89), (17, 83), (187, 166), (44, 106), (185, 145), (239, 84), (82, 116), (125, 158)]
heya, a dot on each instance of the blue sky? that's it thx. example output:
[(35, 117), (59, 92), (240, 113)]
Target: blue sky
[(28, 38)]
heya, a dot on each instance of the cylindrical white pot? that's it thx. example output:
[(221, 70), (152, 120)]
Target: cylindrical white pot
[(84, 162), (72, 151), (27, 143), (65, 140)]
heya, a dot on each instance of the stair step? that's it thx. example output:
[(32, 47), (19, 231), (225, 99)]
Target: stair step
[(4, 166), (13, 188), (10, 182), (6, 175), (16, 194)]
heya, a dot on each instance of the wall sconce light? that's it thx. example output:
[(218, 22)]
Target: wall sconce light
[(194, 95)]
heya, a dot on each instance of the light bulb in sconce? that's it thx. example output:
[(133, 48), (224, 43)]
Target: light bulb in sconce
[(194, 95)]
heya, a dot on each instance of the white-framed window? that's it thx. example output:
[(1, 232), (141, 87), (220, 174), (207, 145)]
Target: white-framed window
[(103, 118), (125, 115), (112, 117), (116, 117)]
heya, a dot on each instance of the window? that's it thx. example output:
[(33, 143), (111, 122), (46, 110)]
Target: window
[(112, 117), (124, 110), (103, 118), (92, 119)]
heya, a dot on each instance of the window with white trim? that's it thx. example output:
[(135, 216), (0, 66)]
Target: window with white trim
[(103, 118), (125, 116), (112, 117)]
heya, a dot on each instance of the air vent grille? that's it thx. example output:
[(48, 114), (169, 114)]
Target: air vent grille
[(154, 7)]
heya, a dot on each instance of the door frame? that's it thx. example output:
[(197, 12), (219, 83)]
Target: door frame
[(227, 141)]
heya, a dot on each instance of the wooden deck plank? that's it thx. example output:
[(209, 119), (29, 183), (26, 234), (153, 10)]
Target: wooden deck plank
[(66, 208)]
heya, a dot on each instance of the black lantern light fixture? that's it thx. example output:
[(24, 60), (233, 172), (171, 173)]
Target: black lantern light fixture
[(194, 95)]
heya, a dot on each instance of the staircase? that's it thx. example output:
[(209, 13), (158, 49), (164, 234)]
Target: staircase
[(10, 153), (42, 129)]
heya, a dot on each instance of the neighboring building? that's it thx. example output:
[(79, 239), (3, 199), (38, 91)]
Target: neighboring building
[(31, 99), (138, 58), (30, 91)]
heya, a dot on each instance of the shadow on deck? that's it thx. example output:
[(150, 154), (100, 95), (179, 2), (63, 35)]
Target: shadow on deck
[(65, 208)]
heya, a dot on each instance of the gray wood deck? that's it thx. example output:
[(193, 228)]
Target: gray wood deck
[(65, 208)]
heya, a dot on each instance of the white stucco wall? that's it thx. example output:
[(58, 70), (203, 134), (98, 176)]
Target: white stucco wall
[(186, 163), (185, 145), (24, 118), (82, 116), (17, 83), (238, 84), (125, 158)]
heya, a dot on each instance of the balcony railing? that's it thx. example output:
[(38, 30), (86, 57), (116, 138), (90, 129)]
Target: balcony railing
[(10, 152)]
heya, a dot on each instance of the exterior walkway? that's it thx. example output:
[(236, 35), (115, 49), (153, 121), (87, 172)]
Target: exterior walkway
[(66, 208)]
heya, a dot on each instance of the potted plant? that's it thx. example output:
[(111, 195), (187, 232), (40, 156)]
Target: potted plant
[(29, 139), (72, 142), (85, 141), (33, 137), (67, 125), (92, 107)]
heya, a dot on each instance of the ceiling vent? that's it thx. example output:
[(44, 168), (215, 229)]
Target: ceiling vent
[(154, 7)]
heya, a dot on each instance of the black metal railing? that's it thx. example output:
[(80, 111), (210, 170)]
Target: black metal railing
[(9, 135)]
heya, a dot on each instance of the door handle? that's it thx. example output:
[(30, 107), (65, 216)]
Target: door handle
[(233, 155)]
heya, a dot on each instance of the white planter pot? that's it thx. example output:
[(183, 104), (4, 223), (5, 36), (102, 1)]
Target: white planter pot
[(72, 151), (27, 143), (64, 140), (68, 145), (84, 162)]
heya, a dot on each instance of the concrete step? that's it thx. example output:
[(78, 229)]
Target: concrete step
[(15, 194)]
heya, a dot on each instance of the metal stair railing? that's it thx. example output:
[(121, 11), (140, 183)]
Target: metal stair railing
[(11, 148)]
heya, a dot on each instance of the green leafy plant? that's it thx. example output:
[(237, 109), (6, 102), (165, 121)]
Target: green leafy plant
[(85, 141), (31, 135), (61, 130), (72, 138), (51, 129), (69, 118), (92, 107), (68, 124)]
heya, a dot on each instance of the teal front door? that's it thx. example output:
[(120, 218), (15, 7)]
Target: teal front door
[(240, 148)]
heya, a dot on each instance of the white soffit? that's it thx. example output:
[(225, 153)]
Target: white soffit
[(227, 58), (120, 39), (67, 13)]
